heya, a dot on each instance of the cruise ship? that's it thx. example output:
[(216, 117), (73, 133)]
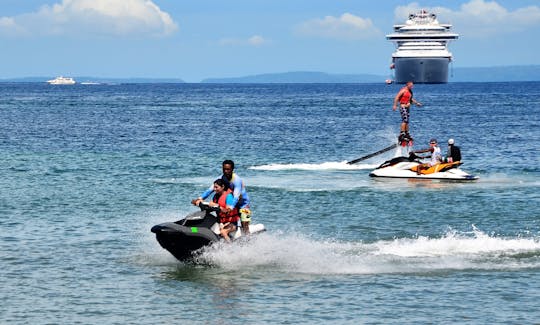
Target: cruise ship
[(421, 54)]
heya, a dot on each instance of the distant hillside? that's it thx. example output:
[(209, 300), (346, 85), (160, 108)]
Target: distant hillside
[(300, 77), (482, 74), (471, 74)]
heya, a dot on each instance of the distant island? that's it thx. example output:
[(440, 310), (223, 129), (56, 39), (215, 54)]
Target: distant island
[(481, 74), (472, 74), (300, 77)]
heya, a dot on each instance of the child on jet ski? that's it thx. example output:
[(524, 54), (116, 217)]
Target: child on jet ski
[(228, 214)]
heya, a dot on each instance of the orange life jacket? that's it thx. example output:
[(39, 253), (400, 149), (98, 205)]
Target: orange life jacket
[(224, 217)]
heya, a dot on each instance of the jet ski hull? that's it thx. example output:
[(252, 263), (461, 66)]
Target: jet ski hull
[(182, 241), (403, 167), (185, 237)]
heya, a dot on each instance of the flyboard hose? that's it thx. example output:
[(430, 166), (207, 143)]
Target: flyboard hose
[(372, 154)]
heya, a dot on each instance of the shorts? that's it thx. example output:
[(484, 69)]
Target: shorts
[(245, 214), (405, 114)]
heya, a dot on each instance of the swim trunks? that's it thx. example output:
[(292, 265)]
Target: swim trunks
[(405, 114)]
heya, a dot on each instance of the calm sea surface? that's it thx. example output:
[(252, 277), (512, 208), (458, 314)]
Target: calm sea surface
[(87, 170)]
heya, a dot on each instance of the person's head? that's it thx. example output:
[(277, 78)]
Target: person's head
[(220, 186), (228, 167), (409, 84), (450, 142), (433, 142)]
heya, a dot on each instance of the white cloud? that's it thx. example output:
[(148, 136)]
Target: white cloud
[(345, 27), (480, 18), (93, 17), (255, 40), (9, 27)]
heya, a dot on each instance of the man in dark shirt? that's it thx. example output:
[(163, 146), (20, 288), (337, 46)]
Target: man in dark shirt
[(454, 153)]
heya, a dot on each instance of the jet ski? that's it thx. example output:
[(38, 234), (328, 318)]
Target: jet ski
[(185, 237), (407, 167)]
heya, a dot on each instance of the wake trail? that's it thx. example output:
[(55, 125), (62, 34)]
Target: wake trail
[(325, 166), (299, 254)]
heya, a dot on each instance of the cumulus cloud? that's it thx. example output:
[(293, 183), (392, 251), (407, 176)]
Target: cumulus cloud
[(480, 18), (92, 17), (255, 40), (345, 27)]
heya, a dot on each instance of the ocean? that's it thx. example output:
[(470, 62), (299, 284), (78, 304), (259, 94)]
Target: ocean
[(87, 170)]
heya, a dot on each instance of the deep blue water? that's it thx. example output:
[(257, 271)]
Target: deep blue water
[(88, 169)]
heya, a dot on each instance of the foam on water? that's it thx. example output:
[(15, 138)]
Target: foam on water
[(296, 253), (322, 166), (453, 244)]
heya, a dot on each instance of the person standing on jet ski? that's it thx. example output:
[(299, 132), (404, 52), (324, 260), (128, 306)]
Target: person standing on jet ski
[(454, 153), (436, 156), (405, 98), (228, 214), (241, 198)]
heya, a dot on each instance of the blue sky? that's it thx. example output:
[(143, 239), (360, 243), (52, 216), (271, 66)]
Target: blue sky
[(199, 39)]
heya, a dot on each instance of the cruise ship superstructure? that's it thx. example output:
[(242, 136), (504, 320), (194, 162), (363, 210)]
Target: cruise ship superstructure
[(421, 54)]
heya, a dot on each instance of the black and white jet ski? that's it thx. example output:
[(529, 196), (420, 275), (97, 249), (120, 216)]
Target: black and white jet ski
[(198, 229), (407, 167)]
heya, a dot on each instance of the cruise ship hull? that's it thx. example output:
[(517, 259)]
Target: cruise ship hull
[(421, 70)]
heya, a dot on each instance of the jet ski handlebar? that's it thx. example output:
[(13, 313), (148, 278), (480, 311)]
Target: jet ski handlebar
[(205, 206)]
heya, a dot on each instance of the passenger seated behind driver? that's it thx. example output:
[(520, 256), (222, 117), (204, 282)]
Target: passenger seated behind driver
[(228, 215), (454, 153), (436, 156)]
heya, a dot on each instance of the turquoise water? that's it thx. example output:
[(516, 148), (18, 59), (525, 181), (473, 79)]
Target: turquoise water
[(87, 170)]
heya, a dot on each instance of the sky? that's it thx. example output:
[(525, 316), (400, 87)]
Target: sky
[(197, 39)]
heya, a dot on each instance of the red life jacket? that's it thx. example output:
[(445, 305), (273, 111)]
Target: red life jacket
[(406, 96), (224, 217)]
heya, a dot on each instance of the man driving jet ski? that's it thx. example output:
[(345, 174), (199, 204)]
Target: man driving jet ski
[(436, 156)]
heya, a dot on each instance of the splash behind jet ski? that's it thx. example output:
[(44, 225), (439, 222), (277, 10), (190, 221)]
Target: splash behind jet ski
[(407, 167), (185, 237)]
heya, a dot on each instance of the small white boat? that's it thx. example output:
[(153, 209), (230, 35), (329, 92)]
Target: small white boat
[(61, 81), (404, 167)]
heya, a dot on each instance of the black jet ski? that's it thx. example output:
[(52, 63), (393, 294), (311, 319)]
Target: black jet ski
[(198, 229)]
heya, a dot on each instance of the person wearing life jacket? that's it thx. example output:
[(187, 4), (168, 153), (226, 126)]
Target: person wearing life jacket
[(228, 214), (436, 155), (238, 188), (405, 98)]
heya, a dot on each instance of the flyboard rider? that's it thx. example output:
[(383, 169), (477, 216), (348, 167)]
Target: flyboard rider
[(405, 98)]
